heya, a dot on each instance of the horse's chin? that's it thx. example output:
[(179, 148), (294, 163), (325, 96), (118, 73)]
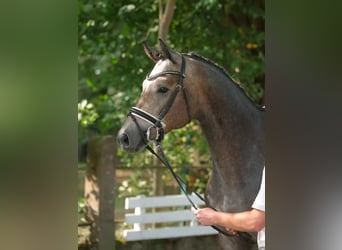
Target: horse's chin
[(133, 149)]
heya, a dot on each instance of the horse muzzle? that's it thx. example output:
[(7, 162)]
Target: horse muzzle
[(141, 129), (129, 138)]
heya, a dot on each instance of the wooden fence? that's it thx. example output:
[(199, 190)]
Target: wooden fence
[(163, 217)]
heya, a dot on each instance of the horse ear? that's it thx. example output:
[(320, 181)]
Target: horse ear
[(167, 52), (152, 53)]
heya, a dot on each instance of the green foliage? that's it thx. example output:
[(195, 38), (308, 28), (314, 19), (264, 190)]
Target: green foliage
[(81, 205), (112, 63), (138, 184), (230, 33)]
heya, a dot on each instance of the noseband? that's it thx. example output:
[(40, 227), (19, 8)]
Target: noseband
[(156, 122)]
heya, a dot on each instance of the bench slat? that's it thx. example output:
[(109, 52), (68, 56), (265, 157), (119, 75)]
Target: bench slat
[(161, 201), (159, 217), (171, 232)]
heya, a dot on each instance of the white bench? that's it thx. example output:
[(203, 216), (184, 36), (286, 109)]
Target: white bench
[(163, 217)]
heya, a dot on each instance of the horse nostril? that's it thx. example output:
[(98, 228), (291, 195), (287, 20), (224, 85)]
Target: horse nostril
[(123, 139)]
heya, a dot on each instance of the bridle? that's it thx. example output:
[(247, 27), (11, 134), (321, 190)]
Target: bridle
[(157, 124)]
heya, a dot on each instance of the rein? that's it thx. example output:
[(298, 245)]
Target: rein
[(181, 184), (180, 181), (157, 124)]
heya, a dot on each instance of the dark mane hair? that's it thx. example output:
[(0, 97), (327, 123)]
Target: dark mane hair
[(208, 61)]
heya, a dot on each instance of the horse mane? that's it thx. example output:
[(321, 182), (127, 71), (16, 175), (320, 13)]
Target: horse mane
[(220, 68)]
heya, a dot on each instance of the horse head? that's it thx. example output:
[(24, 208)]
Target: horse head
[(163, 104)]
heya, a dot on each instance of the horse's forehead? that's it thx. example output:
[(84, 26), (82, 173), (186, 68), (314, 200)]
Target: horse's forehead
[(159, 67)]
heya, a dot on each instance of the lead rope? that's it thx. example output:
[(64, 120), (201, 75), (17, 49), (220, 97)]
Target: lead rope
[(164, 160), (179, 181)]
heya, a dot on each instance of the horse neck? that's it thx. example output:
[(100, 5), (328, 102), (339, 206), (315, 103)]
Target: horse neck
[(231, 123)]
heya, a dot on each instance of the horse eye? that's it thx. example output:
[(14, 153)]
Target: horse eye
[(163, 89)]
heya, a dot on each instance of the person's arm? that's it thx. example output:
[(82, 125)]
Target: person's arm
[(249, 221)]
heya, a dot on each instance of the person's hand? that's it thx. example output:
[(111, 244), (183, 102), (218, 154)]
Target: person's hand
[(209, 217), (231, 231), (205, 216)]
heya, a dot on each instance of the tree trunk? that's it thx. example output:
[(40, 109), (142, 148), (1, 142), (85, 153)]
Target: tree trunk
[(165, 18), (99, 191)]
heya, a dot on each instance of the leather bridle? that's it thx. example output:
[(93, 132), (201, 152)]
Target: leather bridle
[(156, 122)]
